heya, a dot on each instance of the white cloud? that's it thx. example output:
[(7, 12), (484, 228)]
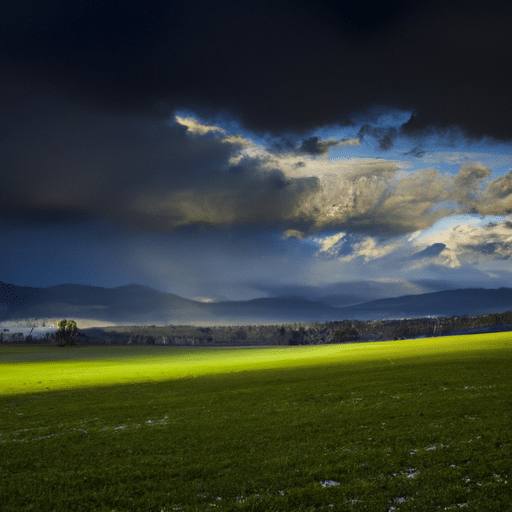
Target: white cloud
[(293, 233), (193, 126), (347, 143), (328, 242), (447, 258), (461, 157), (470, 240), (370, 249)]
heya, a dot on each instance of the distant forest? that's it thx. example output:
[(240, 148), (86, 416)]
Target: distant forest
[(300, 333), (308, 333)]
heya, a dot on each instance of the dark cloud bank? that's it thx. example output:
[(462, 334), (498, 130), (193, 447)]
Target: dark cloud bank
[(277, 66)]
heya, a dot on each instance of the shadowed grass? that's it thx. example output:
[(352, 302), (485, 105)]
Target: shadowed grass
[(411, 425)]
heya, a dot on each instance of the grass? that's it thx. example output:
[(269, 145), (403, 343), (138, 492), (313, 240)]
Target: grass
[(409, 425)]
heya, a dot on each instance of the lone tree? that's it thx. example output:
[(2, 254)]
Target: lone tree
[(67, 333)]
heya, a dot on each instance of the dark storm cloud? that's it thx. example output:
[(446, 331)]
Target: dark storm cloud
[(417, 152), (316, 146), (313, 145), (277, 67), (384, 136), (63, 162)]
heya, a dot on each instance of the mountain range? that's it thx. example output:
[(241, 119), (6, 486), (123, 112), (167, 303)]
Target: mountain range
[(135, 304)]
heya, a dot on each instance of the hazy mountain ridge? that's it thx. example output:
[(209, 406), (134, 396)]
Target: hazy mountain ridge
[(467, 301), (343, 294), (133, 304)]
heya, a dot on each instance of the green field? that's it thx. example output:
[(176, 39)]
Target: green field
[(406, 425)]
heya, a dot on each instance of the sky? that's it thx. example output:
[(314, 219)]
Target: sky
[(234, 150)]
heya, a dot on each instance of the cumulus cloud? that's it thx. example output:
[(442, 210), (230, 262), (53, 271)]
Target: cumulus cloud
[(480, 244), (370, 249), (462, 157), (471, 241), (468, 181), (376, 197), (384, 198), (347, 142), (194, 127), (435, 255), (293, 233), (497, 197), (329, 244)]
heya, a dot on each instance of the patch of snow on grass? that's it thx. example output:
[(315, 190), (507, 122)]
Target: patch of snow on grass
[(329, 483), (400, 499)]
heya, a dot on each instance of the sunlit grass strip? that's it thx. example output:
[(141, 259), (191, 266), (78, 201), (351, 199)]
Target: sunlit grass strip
[(28, 371)]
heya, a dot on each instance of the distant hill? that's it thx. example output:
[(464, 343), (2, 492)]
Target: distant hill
[(468, 301), (135, 304), (125, 304), (344, 294), (273, 310)]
